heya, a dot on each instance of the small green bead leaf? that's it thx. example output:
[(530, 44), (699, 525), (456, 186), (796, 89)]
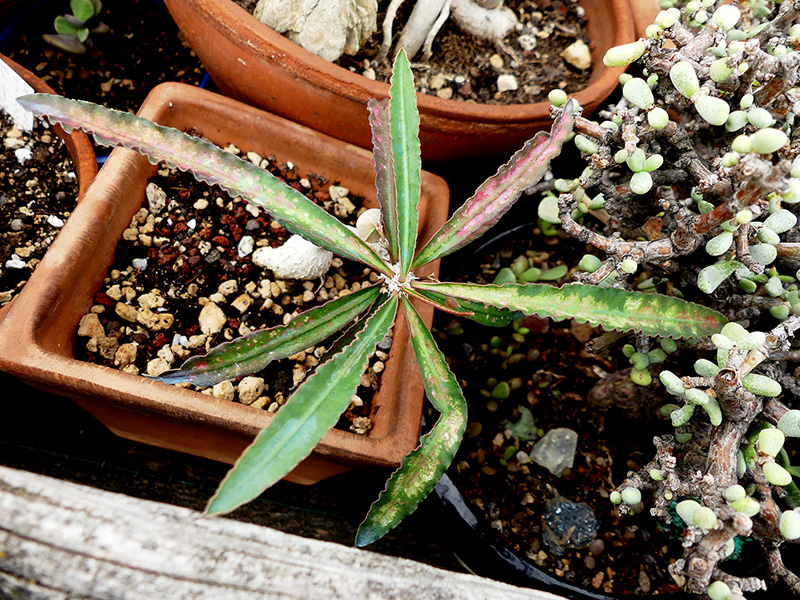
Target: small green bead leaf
[(682, 415), (735, 492), (686, 510), (761, 385), (736, 120), (770, 441), (747, 505), (505, 275), (734, 331), (704, 518), (211, 165), (790, 525), (719, 70), (720, 244), (712, 276), (767, 141), (548, 210), (781, 221), (641, 182), (636, 160), (714, 411), (658, 118), (498, 193), (789, 423), (696, 396), (684, 78), (586, 145), (421, 469), (652, 314), (763, 254), (307, 416), (776, 474), (404, 125), (759, 117), (653, 162), (82, 9), (253, 352), (557, 97), (726, 17), (619, 56), (631, 496), (714, 110), (638, 93), (672, 383), (705, 368), (64, 27)]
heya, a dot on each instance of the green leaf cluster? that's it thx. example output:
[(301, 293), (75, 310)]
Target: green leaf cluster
[(73, 30)]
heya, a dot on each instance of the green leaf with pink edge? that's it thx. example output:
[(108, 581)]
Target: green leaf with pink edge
[(307, 416), (384, 173), (406, 156), (211, 165), (421, 469), (498, 193), (611, 308), (251, 353)]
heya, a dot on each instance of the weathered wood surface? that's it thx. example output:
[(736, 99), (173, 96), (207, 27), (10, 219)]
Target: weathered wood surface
[(61, 540)]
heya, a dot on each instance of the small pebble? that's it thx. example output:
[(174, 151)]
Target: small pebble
[(211, 319), (506, 83), (578, 55), (157, 366), (224, 390), (250, 388)]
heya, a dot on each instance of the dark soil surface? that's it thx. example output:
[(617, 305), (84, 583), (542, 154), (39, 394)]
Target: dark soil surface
[(549, 372), (36, 196), (463, 67), (122, 66)]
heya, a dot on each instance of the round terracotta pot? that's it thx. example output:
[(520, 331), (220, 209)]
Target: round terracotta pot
[(37, 336), (78, 144), (249, 61)]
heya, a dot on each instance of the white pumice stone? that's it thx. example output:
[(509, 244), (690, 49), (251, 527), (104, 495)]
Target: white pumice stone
[(297, 258)]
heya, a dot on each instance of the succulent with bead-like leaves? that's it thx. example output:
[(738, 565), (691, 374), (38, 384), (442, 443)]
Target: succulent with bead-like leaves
[(695, 176), (367, 315)]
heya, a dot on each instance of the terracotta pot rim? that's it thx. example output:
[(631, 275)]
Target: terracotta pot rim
[(78, 143), (234, 17)]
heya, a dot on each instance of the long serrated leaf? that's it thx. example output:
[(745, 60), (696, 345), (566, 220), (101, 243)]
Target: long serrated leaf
[(484, 314), (498, 193), (251, 353), (651, 314), (211, 165), (421, 469), (307, 416), (404, 124), (379, 123)]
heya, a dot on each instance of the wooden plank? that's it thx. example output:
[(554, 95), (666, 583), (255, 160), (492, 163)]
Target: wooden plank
[(62, 540)]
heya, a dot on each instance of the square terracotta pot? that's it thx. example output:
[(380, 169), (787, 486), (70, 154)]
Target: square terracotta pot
[(36, 338)]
